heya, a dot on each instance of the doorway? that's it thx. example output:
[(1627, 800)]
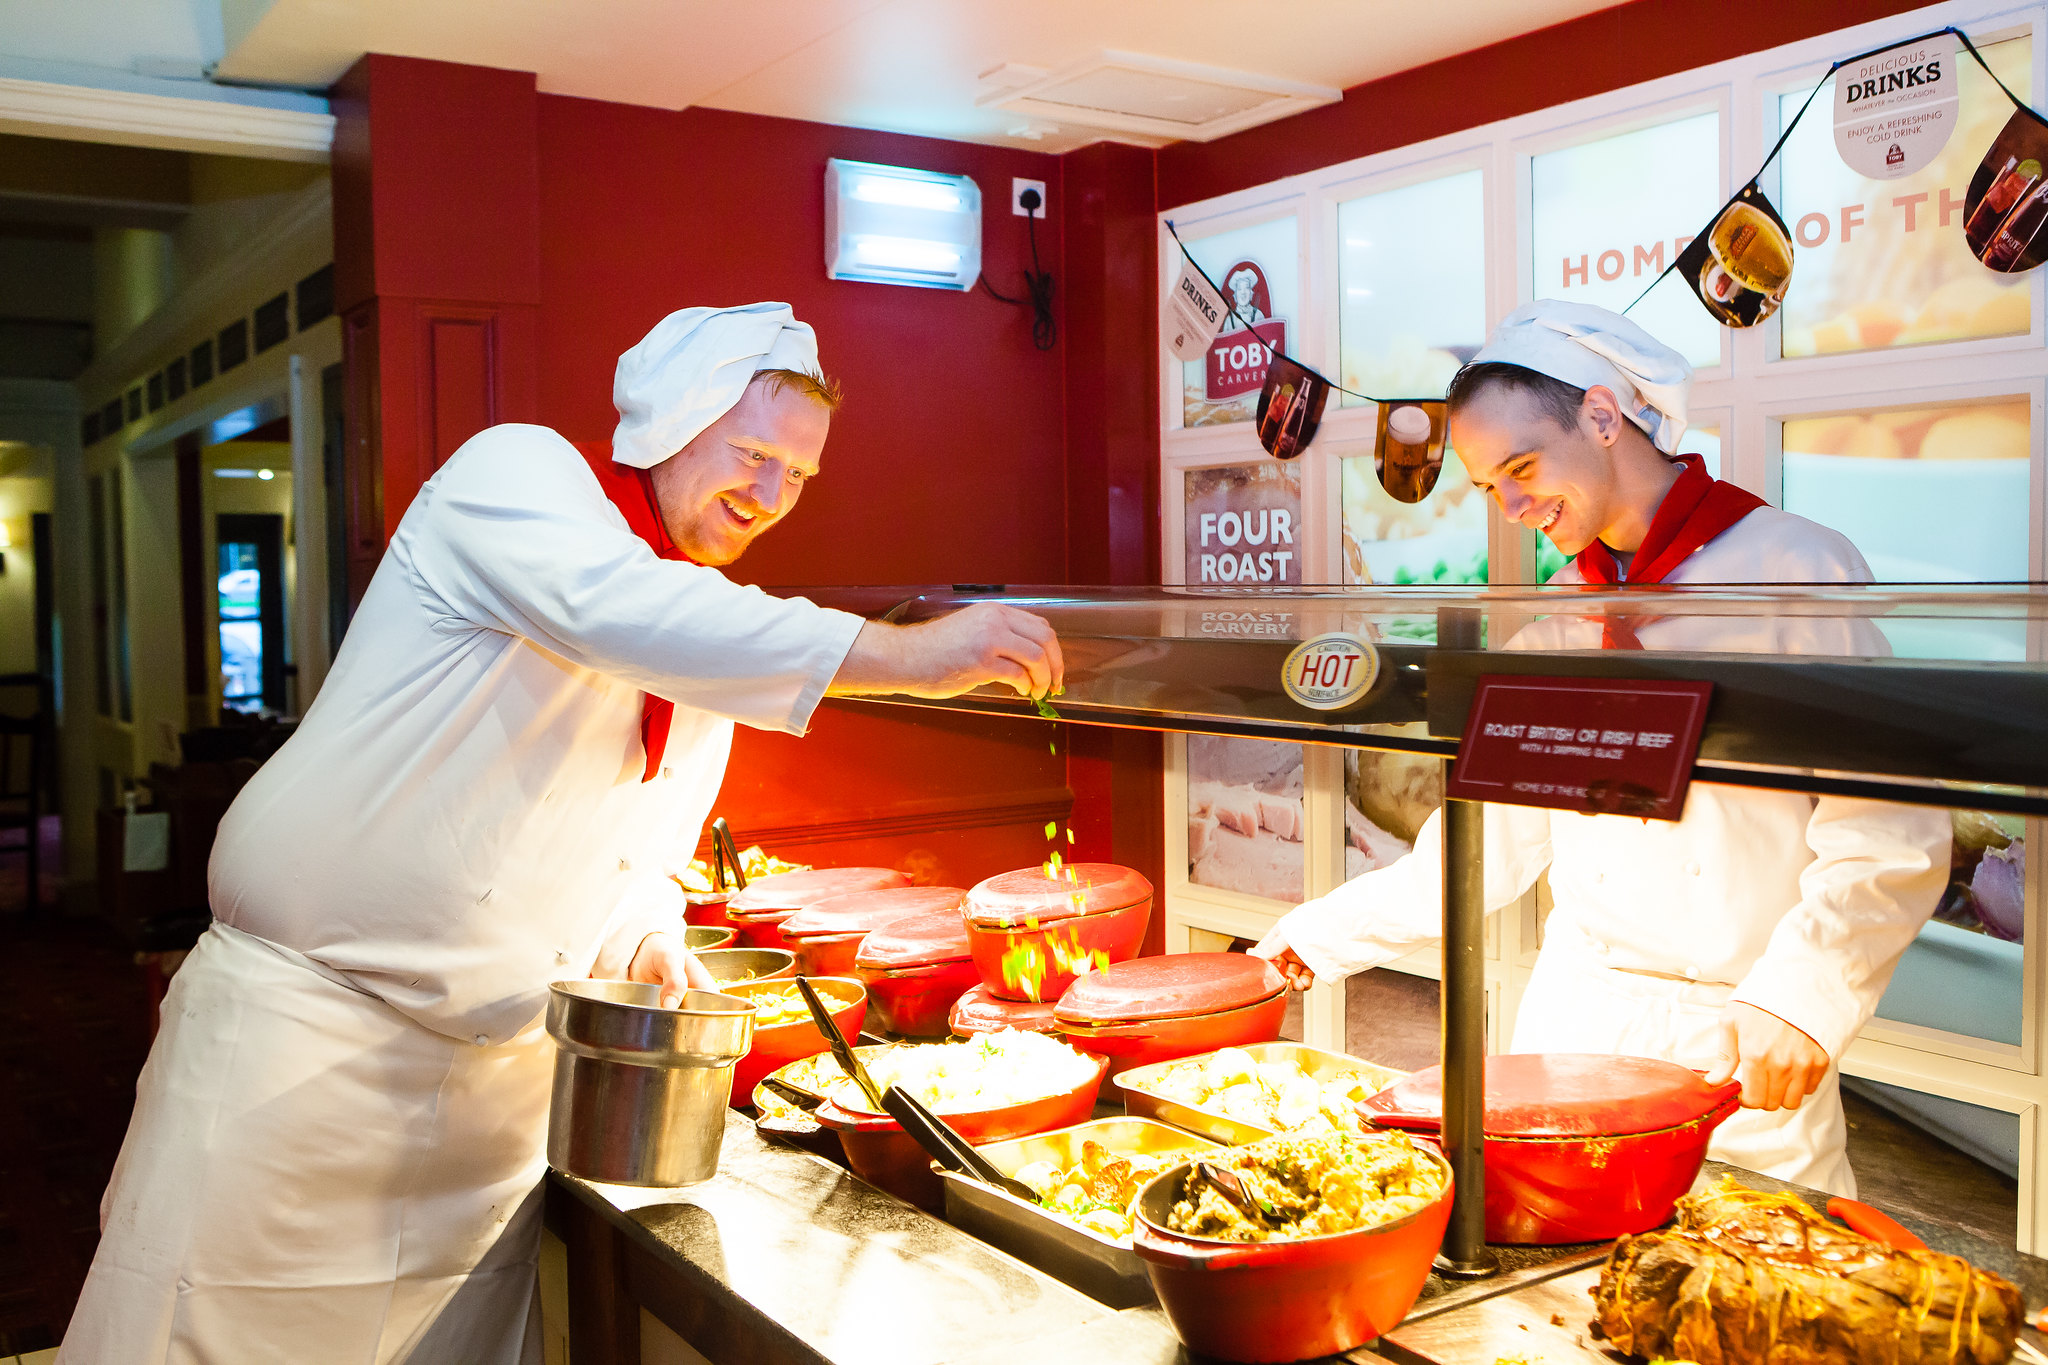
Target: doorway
[(249, 581)]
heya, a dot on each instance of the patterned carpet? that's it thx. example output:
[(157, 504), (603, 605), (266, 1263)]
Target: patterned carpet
[(73, 1032)]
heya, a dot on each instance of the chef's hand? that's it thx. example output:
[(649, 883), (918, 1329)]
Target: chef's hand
[(956, 653), (1273, 947), (662, 959), (1778, 1065)]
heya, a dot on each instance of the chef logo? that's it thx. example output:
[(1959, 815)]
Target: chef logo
[(1237, 360), (1331, 671)]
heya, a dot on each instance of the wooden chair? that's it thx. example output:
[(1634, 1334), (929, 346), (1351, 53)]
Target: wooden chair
[(21, 792)]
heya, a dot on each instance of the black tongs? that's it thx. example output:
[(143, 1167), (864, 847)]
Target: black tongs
[(724, 853), (841, 1050), (1234, 1191)]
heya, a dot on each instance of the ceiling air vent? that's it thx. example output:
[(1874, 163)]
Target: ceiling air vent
[(1151, 99)]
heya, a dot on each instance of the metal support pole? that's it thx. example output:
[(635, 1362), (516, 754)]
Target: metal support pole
[(1464, 1254)]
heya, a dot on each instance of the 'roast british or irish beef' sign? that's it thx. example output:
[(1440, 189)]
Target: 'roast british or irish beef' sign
[(1600, 746)]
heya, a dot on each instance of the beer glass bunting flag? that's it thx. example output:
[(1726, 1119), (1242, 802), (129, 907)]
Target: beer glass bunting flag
[(1290, 407), (1741, 265), (2005, 211), (1408, 453)]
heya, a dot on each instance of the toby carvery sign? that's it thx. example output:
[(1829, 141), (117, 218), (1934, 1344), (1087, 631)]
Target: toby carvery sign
[(1237, 360), (1599, 746)]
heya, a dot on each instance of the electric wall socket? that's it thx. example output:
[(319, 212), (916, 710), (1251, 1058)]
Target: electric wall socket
[(1017, 188)]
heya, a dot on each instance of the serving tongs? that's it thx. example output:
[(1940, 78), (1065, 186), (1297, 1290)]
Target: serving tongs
[(1230, 1187), (724, 853), (932, 1133), (790, 1095)]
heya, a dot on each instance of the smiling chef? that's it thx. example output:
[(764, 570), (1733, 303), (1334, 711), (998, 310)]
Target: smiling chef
[(1752, 938), (338, 1139)]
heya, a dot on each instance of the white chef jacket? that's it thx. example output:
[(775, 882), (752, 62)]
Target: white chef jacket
[(339, 1132), (1801, 904), (460, 819)]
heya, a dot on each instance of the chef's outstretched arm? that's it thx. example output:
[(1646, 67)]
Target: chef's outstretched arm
[(984, 643)]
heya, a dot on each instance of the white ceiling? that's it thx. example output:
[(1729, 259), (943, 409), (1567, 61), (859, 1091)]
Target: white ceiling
[(910, 66)]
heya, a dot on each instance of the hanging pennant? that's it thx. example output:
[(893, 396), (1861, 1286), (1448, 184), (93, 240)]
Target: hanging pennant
[(1895, 109), (1409, 452), (1741, 265), (1290, 407), (1194, 314), (2007, 203)]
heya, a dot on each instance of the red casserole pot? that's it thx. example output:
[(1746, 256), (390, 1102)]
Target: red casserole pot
[(914, 970), (983, 1011), (1580, 1147), (706, 908), (777, 1045), (1032, 934), (1157, 1009), (1286, 1300), (885, 1156), (825, 936), (758, 911)]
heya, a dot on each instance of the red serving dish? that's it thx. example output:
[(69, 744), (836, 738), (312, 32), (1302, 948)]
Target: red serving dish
[(1580, 1147), (1158, 1009), (706, 907), (983, 1011), (1033, 934), (777, 1045), (885, 1156), (914, 970), (1286, 1300), (758, 911), (825, 936)]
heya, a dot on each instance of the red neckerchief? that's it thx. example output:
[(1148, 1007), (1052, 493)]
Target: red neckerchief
[(1698, 508), (632, 492)]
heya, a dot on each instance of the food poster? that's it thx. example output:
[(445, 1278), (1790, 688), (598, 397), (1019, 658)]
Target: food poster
[(1741, 265), (1245, 817), (1441, 539), (1965, 972), (1885, 262), (1928, 495), (1258, 268), (1608, 216), (1387, 797), (1411, 290), (1243, 526)]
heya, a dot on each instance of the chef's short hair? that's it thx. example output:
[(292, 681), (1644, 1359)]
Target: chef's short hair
[(825, 392), (1557, 400)]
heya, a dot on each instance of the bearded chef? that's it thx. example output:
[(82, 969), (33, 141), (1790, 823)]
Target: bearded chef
[(1753, 937), (338, 1139)]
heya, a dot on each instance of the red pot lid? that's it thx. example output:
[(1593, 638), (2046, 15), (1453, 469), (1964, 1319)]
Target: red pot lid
[(865, 911), (1562, 1095), (787, 892), (1175, 986), (982, 1011), (1029, 894), (919, 941)]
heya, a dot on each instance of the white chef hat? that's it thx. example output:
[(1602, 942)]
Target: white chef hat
[(1584, 345), (690, 370)]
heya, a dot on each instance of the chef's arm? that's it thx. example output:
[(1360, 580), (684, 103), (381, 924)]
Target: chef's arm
[(984, 643), (1877, 874), (518, 537), (1383, 914)]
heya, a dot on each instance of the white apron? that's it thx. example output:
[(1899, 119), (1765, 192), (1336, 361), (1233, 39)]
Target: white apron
[(312, 1177), (1573, 1003)]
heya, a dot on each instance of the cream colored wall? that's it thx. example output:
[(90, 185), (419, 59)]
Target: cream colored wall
[(33, 489), (155, 615), (133, 274)]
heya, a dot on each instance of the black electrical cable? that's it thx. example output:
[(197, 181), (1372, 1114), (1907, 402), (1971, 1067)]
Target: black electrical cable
[(1037, 284)]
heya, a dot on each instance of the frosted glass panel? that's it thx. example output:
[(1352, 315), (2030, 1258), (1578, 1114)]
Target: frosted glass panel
[(1245, 819), (1412, 287), (1441, 539), (1883, 262), (1609, 215)]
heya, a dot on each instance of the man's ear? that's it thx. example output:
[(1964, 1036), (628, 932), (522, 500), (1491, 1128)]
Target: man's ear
[(1603, 411)]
